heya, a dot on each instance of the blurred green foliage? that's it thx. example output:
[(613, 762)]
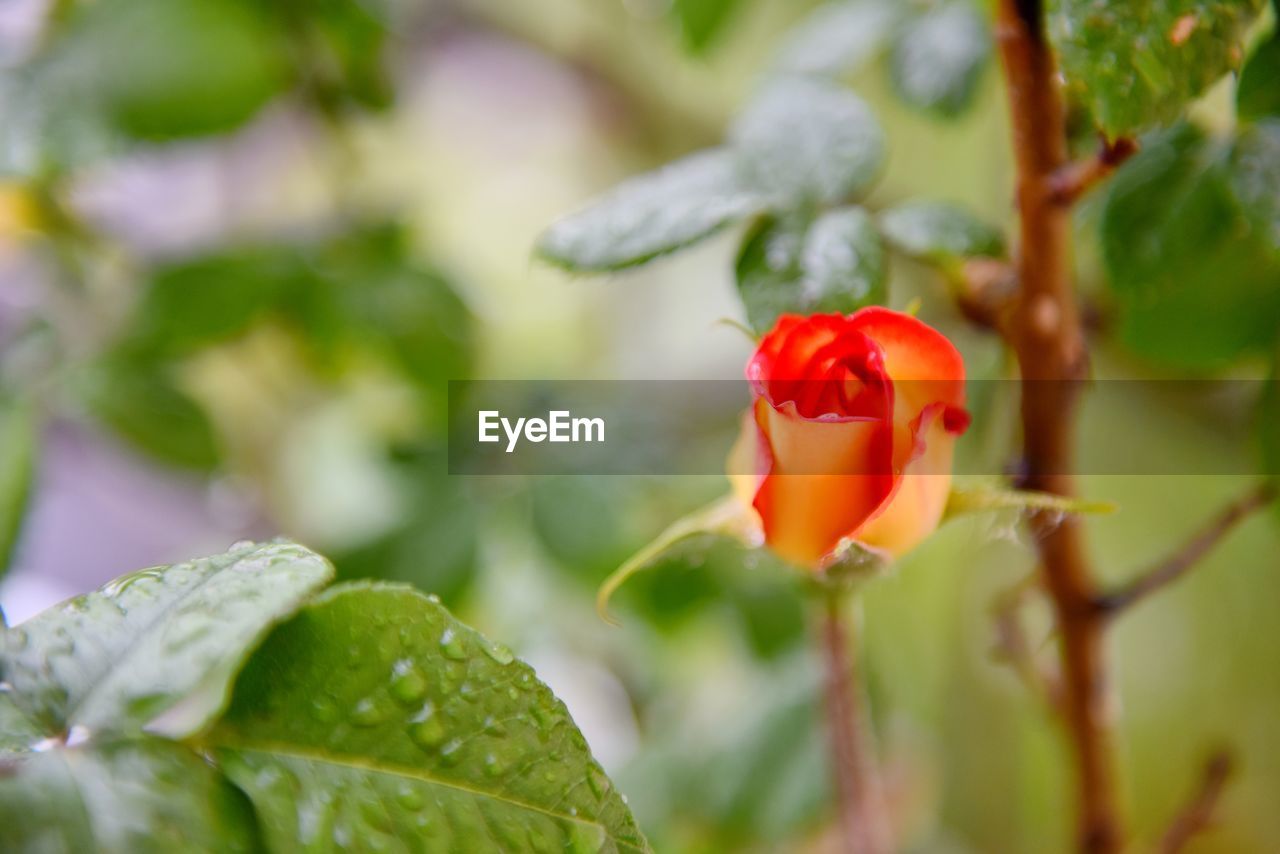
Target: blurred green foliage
[(1190, 250), (18, 450), (227, 357)]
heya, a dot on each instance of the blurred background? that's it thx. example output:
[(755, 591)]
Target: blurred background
[(244, 246)]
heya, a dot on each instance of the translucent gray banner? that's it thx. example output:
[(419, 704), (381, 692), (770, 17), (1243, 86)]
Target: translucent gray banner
[(1126, 427)]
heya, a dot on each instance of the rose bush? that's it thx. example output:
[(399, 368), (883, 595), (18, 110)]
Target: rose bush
[(850, 433)]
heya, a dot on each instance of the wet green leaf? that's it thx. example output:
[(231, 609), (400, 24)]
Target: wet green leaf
[(806, 140), (937, 59), (1194, 272), (18, 450), (702, 21), (651, 215), (157, 648), (837, 38), (374, 715), (1138, 63), (134, 797), (939, 232), (18, 733), (834, 264)]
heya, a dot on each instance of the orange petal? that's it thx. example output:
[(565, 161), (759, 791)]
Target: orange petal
[(825, 479)]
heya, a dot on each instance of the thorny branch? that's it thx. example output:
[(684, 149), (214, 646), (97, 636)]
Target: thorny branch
[(1016, 649), (1070, 182), (1182, 561), (1198, 813), (1046, 333)]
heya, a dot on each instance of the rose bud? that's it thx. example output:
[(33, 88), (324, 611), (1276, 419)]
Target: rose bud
[(850, 434)]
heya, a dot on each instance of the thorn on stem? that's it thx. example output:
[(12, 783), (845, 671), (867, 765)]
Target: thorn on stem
[(1197, 815)]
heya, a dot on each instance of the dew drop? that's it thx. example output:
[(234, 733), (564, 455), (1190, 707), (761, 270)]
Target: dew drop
[(375, 815), (493, 766), (367, 713), (324, 710), (409, 797), (499, 653), (426, 729), (408, 685), (451, 644), (451, 752)]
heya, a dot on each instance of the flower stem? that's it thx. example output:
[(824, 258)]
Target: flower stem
[(859, 791)]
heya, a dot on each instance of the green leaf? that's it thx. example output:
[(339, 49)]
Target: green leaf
[(982, 499), (834, 264), (938, 57), (939, 232), (206, 300), (345, 42), (1257, 94), (765, 776), (372, 292), (138, 399), (838, 38), (581, 520), (161, 69), (157, 648), (435, 544), (651, 215), (133, 797), (18, 733), (702, 21), (1254, 167), (1138, 63), (430, 732), (1268, 423), (18, 450), (724, 516), (1194, 275), (806, 140)]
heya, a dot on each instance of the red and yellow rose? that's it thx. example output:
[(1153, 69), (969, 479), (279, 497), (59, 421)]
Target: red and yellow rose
[(850, 434)]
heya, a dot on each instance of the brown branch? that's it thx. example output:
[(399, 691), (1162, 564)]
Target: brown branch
[(1198, 813), (1071, 181), (1014, 648), (859, 791), (1182, 561), (1046, 334)]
